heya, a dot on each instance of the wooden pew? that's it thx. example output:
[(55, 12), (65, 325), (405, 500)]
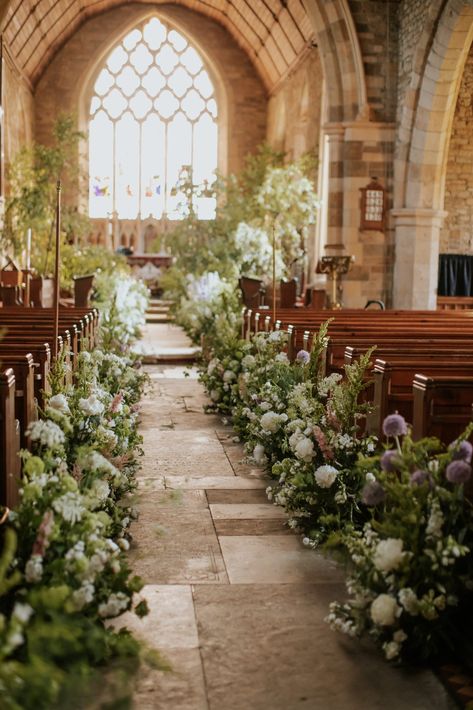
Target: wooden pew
[(9, 441), (442, 406)]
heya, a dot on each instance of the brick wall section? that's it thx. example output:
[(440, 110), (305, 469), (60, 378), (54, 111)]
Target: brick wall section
[(376, 24), (457, 235), (294, 109), (60, 86)]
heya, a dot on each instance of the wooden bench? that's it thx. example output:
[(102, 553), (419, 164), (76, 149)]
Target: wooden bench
[(442, 406)]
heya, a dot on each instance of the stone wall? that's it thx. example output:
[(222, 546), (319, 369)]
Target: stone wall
[(294, 111), (456, 236), (61, 86), (412, 18)]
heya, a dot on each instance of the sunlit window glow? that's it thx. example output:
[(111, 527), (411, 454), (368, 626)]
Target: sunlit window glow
[(153, 121)]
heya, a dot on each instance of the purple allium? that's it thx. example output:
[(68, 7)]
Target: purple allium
[(458, 471), (373, 493), (302, 357), (419, 477), (394, 425), (462, 451), (390, 460)]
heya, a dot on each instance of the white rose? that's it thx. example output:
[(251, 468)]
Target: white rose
[(22, 612), (59, 403), (248, 361), (388, 554), (409, 601), (305, 449), (270, 421), (215, 395), (391, 650), (384, 610), (91, 406), (325, 476), (228, 376)]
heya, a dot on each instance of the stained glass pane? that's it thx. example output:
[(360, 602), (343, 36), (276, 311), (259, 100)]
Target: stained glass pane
[(128, 81), (141, 59), (100, 165), (192, 104), (203, 84), (127, 166), (104, 82), (191, 60), (132, 39), (154, 81), (167, 59), (153, 152), (154, 33), (117, 59), (179, 155), (180, 81), (177, 40)]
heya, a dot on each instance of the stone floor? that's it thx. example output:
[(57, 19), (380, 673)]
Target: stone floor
[(237, 603)]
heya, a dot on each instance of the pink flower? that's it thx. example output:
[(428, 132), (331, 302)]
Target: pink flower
[(45, 529), (321, 440), (116, 403)]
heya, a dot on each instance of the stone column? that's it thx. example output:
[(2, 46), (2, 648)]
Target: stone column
[(416, 262), (336, 137)]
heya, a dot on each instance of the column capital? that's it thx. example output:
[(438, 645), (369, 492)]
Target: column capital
[(334, 129), (408, 216)]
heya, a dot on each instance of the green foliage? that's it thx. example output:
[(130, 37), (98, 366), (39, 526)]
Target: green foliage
[(31, 200)]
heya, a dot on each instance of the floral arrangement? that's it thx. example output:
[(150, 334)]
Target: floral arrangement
[(411, 573), (122, 301), (63, 566)]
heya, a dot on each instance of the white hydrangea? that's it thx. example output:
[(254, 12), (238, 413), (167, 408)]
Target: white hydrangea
[(59, 403), (304, 449), (215, 395), (435, 522), (83, 596), (388, 554), (325, 476), (116, 603), (271, 421), (249, 361), (47, 433), (100, 489), (229, 376), (22, 612), (384, 610), (328, 383), (281, 357), (70, 507), (91, 406)]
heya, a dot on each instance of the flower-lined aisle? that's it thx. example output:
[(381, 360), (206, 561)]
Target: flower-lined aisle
[(63, 567), (398, 518)]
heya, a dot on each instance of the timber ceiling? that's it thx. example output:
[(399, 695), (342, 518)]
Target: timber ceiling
[(272, 32)]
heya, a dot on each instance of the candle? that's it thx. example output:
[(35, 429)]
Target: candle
[(28, 248)]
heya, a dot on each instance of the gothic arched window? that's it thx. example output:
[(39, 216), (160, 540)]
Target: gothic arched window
[(152, 126)]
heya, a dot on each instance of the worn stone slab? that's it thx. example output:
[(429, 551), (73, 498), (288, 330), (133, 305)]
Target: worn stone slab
[(181, 688), (237, 496), (171, 620), (246, 511), (251, 527), (175, 546), (267, 647), (275, 559), (225, 482)]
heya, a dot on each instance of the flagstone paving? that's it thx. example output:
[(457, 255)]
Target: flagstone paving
[(237, 602)]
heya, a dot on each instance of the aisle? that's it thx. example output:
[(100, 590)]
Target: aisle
[(237, 603)]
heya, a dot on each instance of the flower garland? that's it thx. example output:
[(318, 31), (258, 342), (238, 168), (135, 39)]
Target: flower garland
[(63, 570)]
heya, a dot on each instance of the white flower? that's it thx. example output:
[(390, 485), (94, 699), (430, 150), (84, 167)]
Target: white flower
[(115, 604), (211, 366), (91, 406), (123, 544), (388, 554), (84, 595), (47, 433), (22, 612), (325, 476), (435, 522), (228, 376), (409, 601), (270, 421), (70, 507), (215, 395), (370, 477), (328, 383), (391, 650), (34, 569), (399, 636), (276, 336), (304, 449), (100, 489), (384, 610), (248, 361), (259, 454), (281, 357), (59, 403)]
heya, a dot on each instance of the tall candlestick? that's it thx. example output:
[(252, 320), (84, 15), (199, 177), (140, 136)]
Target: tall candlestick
[(56, 270), (28, 248)]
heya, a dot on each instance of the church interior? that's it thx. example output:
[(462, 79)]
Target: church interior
[(236, 380)]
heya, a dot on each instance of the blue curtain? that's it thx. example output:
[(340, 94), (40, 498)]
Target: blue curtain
[(455, 275)]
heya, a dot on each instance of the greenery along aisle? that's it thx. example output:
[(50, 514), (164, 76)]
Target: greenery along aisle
[(63, 569)]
